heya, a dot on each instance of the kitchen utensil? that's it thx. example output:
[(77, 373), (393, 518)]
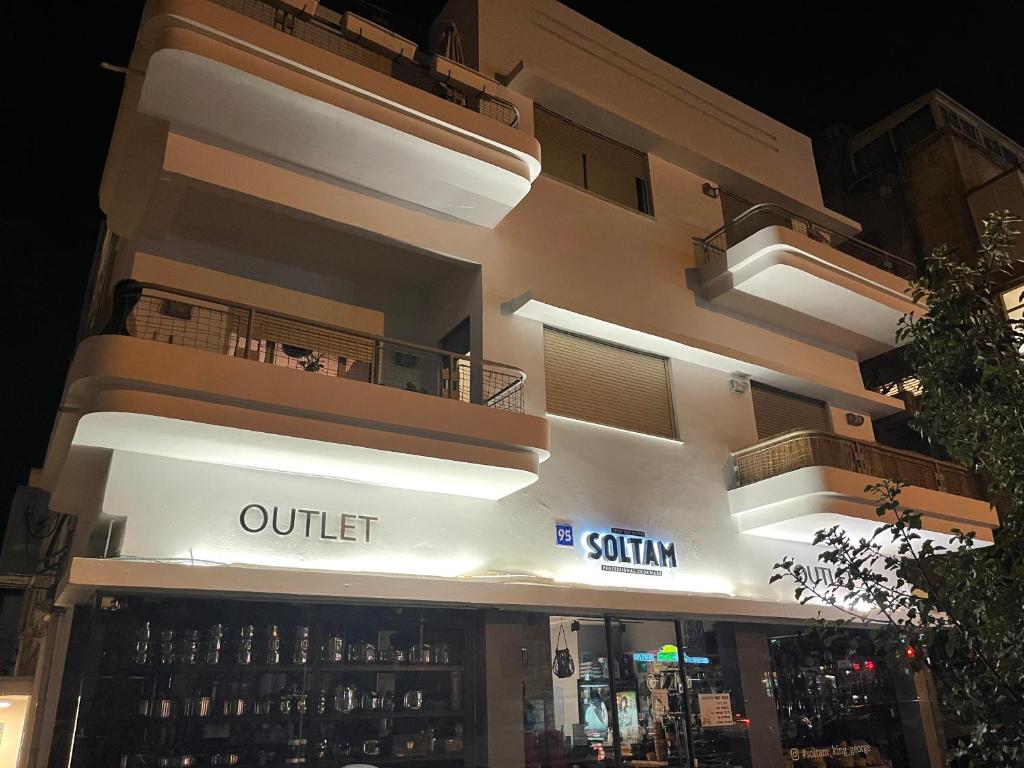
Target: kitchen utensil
[(409, 745), (189, 653), (412, 700), (334, 649), (452, 745), (246, 633), (371, 747), (300, 649), (167, 646), (143, 637), (421, 653), (390, 700), (442, 654), (372, 700), (273, 644), (214, 643), (394, 656), (196, 706), (296, 751), (362, 653), (346, 698)]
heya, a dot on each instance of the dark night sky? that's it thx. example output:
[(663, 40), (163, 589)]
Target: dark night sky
[(798, 63)]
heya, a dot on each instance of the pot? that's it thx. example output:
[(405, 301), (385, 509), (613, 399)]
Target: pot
[(334, 649), (161, 707), (442, 654), (412, 700), (362, 653), (421, 653), (196, 706), (235, 707), (394, 656), (346, 698), (373, 700)]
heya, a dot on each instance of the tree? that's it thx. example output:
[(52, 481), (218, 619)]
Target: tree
[(956, 609)]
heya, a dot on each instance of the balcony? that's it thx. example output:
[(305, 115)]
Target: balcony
[(187, 376), (235, 93), (780, 268), (795, 484)]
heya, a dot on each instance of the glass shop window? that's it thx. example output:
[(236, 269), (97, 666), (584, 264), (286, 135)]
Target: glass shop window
[(839, 706), (176, 682)]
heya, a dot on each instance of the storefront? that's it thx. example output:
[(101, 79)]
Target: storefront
[(235, 616), (172, 681)]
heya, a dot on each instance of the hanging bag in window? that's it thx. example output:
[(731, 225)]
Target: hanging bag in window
[(562, 666)]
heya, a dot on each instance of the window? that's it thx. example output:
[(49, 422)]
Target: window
[(914, 128), (605, 384), (777, 412), (873, 155), (579, 156)]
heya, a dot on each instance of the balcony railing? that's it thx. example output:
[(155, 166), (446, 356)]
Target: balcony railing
[(797, 450), (181, 318), (323, 34), (770, 215)]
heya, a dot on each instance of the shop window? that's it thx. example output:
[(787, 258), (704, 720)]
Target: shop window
[(606, 384), (840, 706), (182, 682), (593, 162), (777, 412)]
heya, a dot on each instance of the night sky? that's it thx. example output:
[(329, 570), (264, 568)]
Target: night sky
[(808, 69)]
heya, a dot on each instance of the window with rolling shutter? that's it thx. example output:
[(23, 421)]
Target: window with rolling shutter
[(589, 160), (598, 382), (777, 412)]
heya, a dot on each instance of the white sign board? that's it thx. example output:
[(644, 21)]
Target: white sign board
[(715, 709)]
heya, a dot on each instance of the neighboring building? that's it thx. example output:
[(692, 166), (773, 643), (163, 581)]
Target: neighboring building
[(923, 177), (315, 524)]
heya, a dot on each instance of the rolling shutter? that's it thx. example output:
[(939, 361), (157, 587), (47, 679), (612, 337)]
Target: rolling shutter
[(592, 161), (777, 412), (605, 384)]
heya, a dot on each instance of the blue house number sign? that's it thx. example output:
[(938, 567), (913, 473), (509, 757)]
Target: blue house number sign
[(563, 535)]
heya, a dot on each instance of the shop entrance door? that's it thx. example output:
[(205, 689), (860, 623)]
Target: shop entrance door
[(648, 713)]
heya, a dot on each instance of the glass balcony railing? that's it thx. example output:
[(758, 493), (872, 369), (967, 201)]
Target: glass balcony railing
[(180, 318)]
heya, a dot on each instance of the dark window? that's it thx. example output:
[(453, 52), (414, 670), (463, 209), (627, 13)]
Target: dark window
[(916, 127), (873, 155), (598, 164)]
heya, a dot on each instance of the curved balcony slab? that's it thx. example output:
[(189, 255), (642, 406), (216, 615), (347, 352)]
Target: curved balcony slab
[(136, 395), (794, 505), (791, 281), (218, 76)]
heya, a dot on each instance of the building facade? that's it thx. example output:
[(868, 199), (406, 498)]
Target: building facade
[(313, 522)]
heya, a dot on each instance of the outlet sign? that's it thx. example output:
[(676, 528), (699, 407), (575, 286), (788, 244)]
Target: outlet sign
[(628, 551)]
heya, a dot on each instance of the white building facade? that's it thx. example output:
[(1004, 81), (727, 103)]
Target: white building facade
[(315, 523)]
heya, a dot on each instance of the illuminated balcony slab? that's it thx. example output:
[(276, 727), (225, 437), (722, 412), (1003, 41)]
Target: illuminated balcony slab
[(795, 485), (806, 286), (213, 75)]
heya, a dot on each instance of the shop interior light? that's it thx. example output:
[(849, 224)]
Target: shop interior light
[(4, 704)]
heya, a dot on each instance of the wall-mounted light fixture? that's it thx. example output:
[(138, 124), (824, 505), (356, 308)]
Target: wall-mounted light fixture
[(739, 386), (710, 189), (854, 419)]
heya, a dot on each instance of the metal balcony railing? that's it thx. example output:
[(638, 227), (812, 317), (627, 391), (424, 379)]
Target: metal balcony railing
[(759, 217), (323, 34), (181, 318), (797, 450)]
